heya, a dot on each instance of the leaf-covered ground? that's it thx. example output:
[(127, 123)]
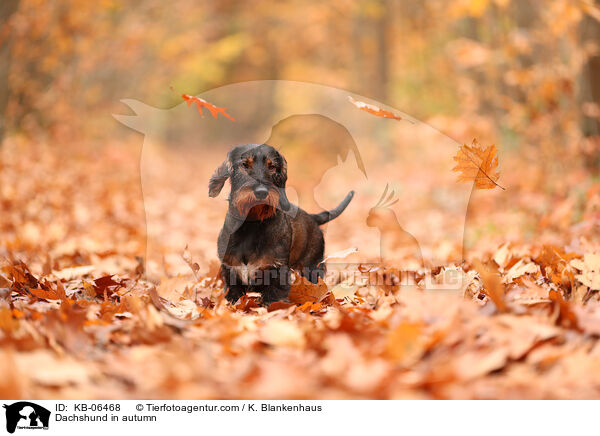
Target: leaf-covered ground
[(79, 319)]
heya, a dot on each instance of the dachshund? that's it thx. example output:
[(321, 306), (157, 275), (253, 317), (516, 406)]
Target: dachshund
[(265, 238)]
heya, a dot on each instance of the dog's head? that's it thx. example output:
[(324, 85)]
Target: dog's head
[(257, 174)]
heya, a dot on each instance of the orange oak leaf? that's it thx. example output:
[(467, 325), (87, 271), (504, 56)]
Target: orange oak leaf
[(374, 110), (478, 164), (200, 103), (303, 291)]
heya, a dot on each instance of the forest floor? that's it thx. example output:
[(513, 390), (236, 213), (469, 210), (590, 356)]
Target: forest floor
[(79, 319)]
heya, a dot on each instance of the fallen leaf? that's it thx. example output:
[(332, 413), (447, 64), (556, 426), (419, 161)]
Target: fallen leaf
[(454, 278), (45, 368), (590, 270), (493, 286), (46, 295), (73, 272), (405, 343), (477, 363), (566, 316), (4, 282), (246, 303), (519, 269), (502, 255), (343, 290), (279, 332), (302, 291), (279, 305), (187, 257), (173, 288), (588, 318), (184, 309), (309, 307)]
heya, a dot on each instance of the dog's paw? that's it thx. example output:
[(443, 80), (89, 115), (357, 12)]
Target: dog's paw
[(232, 295), (270, 296)]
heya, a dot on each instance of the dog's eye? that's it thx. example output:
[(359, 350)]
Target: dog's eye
[(246, 164), (270, 165)]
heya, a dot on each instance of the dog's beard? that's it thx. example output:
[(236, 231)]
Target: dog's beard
[(254, 209)]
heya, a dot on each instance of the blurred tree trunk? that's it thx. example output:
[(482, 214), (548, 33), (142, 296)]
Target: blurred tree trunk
[(7, 8), (590, 79), (358, 76), (593, 77), (381, 41), (589, 86)]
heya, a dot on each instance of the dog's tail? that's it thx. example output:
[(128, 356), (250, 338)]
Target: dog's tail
[(328, 215)]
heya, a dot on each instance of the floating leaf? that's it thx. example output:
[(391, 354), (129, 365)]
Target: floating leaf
[(201, 103), (478, 164), (374, 110)]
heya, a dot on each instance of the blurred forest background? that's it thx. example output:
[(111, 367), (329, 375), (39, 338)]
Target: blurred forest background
[(523, 74)]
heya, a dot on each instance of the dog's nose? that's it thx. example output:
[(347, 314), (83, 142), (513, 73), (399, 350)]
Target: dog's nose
[(261, 192)]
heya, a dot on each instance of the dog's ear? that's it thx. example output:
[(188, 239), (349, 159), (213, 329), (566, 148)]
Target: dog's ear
[(284, 169), (218, 179), (284, 203), (281, 177)]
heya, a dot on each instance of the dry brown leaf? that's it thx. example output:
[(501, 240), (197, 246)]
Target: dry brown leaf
[(46, 368), (247, 303), (454, 278), (184, 310), (405, 344), (588, 318), (187, 257), (502, 256), (566, 316), (477, 363), (309, 307), (279, 332), (344, 290), (590, 270), (303, 291), (44, 294), (4, 281), (74, 272), (478, 164), (8, 323), (173, 288), (279, 305), (493, 286), (519, 269)]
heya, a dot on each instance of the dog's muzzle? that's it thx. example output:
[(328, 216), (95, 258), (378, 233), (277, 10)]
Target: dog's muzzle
[(257, 204)]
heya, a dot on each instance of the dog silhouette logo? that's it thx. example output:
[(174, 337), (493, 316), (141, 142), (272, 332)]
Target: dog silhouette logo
[(331, 147), (26, 415)]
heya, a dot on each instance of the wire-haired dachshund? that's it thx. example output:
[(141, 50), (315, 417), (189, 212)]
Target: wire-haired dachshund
[(265, 237)]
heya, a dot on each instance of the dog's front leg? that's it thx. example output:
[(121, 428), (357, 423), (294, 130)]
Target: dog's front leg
[(276, 285), (233, 284)]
